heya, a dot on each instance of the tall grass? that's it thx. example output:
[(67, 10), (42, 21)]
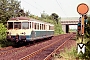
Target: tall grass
[(69, 53)]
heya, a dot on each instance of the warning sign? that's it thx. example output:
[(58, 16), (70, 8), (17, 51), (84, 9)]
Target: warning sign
[(81, 48)]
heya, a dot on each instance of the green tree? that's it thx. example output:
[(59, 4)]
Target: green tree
[(8, 8), (58, 29), (55, 17), (3, 31)]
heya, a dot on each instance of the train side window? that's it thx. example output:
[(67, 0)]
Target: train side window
[(40, 26), (10, 25), (44, 26), (25, 25), (35, 25), (51, 28), (30, 25)]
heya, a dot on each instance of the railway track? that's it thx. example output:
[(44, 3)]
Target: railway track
[(46, 52), (25, 51), (6, 48), (49, 57), (10, 49)]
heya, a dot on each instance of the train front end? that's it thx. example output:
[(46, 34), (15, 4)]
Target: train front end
[(18, 35), (18, 30)]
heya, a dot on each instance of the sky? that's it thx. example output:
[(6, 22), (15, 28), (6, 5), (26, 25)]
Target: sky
[(64, 8)]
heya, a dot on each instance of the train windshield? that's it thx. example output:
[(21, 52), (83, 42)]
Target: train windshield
[(25, 25), (17, 25), (10, 25)]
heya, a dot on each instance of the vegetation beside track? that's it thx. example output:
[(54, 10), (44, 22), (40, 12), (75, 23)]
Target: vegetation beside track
[(72, 52), (3, 41)]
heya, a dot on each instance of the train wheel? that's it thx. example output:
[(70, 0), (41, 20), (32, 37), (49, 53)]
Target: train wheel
[(33, 42), (50, 38)]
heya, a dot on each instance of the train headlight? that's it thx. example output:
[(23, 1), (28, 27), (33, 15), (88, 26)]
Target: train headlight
[(8, 36), (8, 33), (23, 33)]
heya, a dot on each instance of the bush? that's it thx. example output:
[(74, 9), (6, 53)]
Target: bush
[(87, 29), (3, 31), (58, 29)]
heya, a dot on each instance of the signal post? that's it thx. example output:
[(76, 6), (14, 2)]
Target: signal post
[(82, 9)]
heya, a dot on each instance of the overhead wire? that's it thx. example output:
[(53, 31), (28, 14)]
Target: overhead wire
[(59, 4), (40, 6), (32, 5), (62, 9)]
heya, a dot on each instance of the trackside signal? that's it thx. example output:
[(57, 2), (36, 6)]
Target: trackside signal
[(82, 9)]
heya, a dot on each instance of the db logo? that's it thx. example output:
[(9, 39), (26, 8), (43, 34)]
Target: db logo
[(81, 48)]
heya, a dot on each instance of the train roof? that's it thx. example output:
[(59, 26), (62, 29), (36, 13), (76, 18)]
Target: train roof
[(26, 19), (20, 18)]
